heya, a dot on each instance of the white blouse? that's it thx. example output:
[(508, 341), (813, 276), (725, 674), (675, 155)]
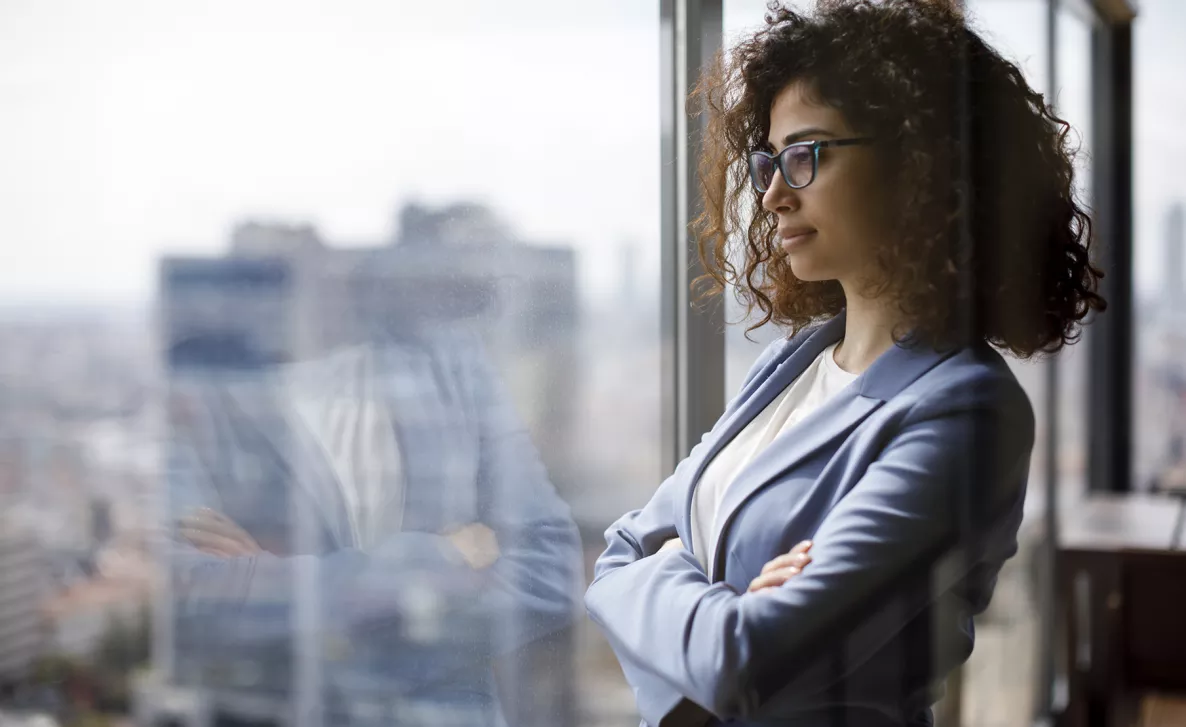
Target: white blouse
[(822, 379), (338, 398)]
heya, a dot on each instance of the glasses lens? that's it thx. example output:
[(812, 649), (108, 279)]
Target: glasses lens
[(761, 170), (797, 162)]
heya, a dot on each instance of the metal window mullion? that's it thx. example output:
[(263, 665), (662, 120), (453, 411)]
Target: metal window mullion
[(693, 362), (1044, 704), (1110, 343)]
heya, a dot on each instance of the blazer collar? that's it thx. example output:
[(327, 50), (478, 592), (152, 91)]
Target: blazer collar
[(892, 371), (765, 386), (899, 367)]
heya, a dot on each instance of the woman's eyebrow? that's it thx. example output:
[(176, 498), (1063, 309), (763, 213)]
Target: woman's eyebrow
[(796, 136)]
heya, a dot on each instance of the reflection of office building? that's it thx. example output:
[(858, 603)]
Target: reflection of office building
[(21, 592), (281, 295), (222, 319), (225, 314)]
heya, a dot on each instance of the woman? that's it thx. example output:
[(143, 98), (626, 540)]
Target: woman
[(367, 536), (818, 558)]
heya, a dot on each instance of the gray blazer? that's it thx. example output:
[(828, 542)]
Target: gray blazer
[(405, 620), (910, 482)]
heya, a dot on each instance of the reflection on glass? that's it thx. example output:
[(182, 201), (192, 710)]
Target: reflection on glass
[(506, 320), (999, 681), (358, 512), (742, 348)]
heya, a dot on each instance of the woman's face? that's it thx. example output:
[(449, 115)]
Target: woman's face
[(829, 228)]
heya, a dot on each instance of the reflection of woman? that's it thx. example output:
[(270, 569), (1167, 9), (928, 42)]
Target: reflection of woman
[(382, 506), (913, 197)]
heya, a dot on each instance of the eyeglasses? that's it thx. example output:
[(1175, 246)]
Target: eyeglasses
[(798, 162)]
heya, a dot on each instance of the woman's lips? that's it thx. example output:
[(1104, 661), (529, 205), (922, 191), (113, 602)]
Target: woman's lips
[(795, 238)]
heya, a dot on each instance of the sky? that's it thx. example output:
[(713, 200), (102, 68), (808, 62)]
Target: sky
[(132, 129), (136, 128)]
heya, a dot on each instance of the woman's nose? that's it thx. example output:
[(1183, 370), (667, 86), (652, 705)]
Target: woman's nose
[(780, 196)]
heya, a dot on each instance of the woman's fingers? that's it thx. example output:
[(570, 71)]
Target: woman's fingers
[(670, 544), (216, 522), (797, 557), (211, 543), (477, 543), (212, 529), (781, 569), (797, 560), (774, 578), (217, 534)]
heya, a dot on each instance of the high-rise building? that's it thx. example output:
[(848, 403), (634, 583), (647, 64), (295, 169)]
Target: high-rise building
[(221, 318), (22, 591)]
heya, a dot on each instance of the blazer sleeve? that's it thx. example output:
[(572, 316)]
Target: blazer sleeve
[(938, 483), (639, 534)]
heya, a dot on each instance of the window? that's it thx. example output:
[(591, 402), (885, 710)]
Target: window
[(1073, 102), (204, 198), (1159, 381)]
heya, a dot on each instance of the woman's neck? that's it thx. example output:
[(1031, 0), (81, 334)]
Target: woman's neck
[(868, 332)]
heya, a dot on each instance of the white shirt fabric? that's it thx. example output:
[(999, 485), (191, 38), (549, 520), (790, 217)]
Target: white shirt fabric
[(818, 383), (338, 399)]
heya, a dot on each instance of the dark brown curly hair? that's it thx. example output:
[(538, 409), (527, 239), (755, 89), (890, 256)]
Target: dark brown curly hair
[(990, 242)]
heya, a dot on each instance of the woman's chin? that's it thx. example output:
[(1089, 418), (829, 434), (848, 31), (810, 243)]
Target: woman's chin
[(806, 271)]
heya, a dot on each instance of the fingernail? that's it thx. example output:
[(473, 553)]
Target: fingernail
[(806, 543)]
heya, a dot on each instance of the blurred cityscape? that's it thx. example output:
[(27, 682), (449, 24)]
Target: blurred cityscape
[(84, 426)]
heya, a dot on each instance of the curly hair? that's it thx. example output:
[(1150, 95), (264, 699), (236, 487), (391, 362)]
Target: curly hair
[(989, 241)]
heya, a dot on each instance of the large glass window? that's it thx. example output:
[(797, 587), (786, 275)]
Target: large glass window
[(1017, 29), (741, 349), (1073, 102), (342, 274), (1159, 366)]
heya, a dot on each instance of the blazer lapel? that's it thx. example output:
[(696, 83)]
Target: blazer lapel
[(301, 456), (836, 418), (888, 375), (763, 389)]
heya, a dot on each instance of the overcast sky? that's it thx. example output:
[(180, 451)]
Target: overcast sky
[(133, 128)]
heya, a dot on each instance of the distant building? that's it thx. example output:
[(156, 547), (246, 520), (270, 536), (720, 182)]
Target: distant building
[(22, 590), (225, 313)]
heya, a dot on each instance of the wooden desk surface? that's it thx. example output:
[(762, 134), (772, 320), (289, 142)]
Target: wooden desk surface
[(1132, 521)]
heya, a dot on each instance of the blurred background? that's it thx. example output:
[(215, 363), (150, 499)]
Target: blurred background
[(207, 189)]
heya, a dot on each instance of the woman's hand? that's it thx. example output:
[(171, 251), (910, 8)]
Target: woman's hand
[(670, 544), (212, 532), (783, 568), (477, 544)]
